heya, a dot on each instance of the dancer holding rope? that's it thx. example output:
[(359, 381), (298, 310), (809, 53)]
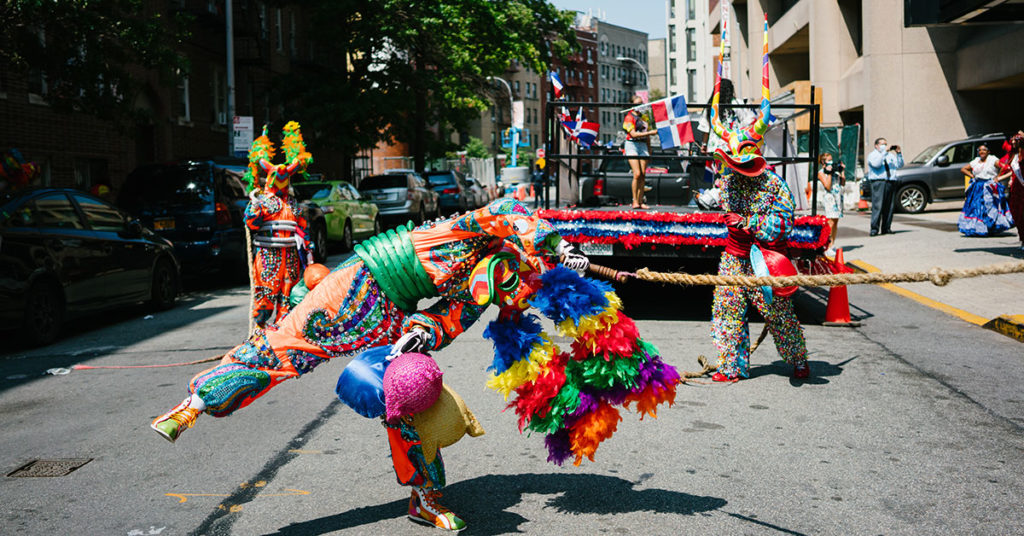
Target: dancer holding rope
[(759, 216)]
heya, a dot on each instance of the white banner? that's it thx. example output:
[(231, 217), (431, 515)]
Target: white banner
[(244, 133), (517, 114)]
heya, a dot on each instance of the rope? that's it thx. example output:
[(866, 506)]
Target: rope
[(90, 367), (708, 368), (252, 277), (937, 276)]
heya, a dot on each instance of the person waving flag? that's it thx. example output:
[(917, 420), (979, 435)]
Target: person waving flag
[(672, 120)]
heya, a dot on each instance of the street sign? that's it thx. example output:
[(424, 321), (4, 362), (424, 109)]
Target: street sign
[(244, 134), (540, 152)]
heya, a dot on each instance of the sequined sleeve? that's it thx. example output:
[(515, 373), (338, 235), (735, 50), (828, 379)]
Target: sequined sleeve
[(445, 320)]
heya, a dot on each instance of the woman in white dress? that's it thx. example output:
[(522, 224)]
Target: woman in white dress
[(832, 178)]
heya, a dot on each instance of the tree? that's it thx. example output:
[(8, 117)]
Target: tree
[(413, 70), (475, 148), (656, 94), (90, 53)]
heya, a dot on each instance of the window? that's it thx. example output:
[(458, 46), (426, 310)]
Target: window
[(220, 98), (90, 171), (672, 9), (101, 216), (292, 49), (691, 83), (590, 79), (184, 109), (691, 44), (672, 72), (280, 30), (263, 21), (691, 9), (517, 87), (493, 116), (959, 154), (48, 210), (493, 139)]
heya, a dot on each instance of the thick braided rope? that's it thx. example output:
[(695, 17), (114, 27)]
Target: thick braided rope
[(937, 276)]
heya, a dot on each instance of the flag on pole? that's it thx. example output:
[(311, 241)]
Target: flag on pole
[(580, 130), (556, 84), (672, 121)]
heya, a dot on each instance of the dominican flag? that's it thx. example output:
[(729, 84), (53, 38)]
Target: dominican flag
[(580, 130), (556, 84), (672, 121)]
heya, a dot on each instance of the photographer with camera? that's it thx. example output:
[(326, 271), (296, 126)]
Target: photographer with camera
[(882, 165), (832, 177)]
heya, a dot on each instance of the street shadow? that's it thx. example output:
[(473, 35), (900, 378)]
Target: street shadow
[(485, 502), (1008, 251), (820, 371)]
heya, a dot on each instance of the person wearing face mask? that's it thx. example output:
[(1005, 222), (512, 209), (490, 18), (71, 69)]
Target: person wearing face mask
[(882, 165), (832, 178), (986, 211)]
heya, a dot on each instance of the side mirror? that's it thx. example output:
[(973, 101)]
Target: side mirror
[(133, 229), (942, 161)]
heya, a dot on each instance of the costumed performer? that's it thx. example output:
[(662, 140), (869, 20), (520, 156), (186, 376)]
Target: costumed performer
[(1011, 169), (759, 208), (371, 300), (986, 211), (280, 244)]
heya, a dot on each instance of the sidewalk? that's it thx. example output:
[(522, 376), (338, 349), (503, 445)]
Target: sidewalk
[(930, 239)]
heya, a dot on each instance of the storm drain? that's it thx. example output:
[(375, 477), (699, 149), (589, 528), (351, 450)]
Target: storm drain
[(49, 467)]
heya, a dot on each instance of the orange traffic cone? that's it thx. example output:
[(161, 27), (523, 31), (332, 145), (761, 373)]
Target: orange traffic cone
[(837, 313), (862, 204)]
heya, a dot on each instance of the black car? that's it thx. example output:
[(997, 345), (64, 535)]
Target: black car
[(66, 253), (200, 207), (667, 181)]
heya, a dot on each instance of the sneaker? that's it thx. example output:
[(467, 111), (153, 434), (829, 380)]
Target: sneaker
[(170, 425), (423, 508), (719, 377), (801, 371)]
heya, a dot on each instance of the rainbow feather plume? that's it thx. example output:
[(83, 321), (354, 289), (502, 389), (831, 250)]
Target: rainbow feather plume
[(572, 398)]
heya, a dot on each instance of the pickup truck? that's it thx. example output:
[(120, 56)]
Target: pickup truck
[(668, 183)]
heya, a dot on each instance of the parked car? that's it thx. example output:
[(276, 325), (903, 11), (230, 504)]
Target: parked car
[(453, 191), (200, 207), (66, 253), (348, 214), (668, 183), (934, 174), (483, 196), (401, 195)]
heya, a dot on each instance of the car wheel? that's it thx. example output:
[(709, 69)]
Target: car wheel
[(164, 291), (911, 199), (44, 313), (347, 242), (320, 243)]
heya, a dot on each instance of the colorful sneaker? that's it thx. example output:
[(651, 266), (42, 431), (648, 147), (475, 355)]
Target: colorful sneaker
[(719, 377), (170, 425), (801, 371), (423, 508)]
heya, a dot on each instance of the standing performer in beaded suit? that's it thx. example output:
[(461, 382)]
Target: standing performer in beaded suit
[(759, 215), (279, 237)]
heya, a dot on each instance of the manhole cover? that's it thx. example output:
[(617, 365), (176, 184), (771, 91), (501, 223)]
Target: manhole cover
[(49, 467)]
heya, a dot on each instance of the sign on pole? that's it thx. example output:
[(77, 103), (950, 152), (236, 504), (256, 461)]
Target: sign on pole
[(540, 152), (244, 134), (517, 114)]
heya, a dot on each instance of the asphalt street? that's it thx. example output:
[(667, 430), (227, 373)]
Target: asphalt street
[(912, 423)]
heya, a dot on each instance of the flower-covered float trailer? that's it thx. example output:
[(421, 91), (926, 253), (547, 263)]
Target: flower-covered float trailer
[(613, 236)]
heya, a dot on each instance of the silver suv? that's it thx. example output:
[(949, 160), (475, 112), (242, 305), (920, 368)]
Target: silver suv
[(935, 173), (401, 195)]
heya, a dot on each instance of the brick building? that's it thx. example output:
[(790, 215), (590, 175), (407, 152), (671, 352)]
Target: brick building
[(188, 119)]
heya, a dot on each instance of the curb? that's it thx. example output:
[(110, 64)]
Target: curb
[(1010, 325)]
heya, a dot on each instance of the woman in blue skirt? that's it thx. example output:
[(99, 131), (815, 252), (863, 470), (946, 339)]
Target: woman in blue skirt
[(986, 210)]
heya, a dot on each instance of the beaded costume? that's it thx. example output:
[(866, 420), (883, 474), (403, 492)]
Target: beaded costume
[(280, 246), (761, 217)]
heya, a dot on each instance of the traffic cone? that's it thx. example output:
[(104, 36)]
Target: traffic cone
[(862, 204), (837, 313)]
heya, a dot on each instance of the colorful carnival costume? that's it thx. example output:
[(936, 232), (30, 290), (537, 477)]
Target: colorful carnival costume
[(760, 208), (280, 246)]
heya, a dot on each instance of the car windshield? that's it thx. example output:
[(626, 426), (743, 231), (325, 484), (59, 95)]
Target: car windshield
[(927, 154), (376, 182), (441, 179), (304, 191), (162, 186)]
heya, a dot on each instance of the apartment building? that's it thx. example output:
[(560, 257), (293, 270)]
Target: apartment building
[(689, 55), (917, 72)]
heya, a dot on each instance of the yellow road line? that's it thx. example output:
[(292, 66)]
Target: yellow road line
[(948, 309)]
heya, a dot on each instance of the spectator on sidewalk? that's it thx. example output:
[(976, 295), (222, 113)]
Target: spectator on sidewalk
[(832, 178), (1013, 172), (537, 182), (882, 165), (985, 211)]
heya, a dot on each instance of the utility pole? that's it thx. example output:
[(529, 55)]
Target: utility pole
[(229, 30)]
